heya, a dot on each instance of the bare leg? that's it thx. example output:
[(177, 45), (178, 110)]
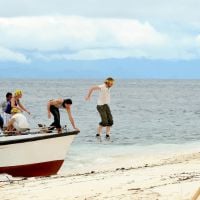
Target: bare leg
[(107, 130), (99, 130)]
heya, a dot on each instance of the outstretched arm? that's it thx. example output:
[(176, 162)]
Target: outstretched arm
[(91, 90), (23, 108), (71, 118)]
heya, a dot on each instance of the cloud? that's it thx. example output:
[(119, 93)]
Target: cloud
[(198, 40), (154, 10), (57, 33), (8, 55), (81, 38)]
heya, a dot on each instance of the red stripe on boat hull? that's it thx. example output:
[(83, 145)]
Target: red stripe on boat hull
[(32, 170)]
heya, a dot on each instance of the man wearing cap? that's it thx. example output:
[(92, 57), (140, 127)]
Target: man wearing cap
[(18, 121), (103, 105)]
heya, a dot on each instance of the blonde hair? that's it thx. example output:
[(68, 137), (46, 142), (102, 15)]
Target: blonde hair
[(18, 92)]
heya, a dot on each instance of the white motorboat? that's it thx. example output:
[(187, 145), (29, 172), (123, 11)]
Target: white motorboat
[(34, 154)]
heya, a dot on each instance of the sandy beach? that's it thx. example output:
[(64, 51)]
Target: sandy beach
[(100, 100), (174, 177)]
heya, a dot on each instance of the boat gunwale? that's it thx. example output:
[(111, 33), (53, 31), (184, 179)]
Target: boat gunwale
[(36, 138)]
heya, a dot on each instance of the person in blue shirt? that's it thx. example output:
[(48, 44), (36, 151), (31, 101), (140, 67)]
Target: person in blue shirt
[(6, 108)]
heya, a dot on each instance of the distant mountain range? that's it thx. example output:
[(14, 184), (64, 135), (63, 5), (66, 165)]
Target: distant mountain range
[(118, 68)]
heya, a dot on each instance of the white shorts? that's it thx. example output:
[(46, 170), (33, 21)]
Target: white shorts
[(20, 127)]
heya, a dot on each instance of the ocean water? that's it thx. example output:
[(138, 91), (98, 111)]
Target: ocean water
[(149, 115)]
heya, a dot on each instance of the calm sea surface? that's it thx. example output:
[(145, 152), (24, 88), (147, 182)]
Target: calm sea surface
[(147, 113)]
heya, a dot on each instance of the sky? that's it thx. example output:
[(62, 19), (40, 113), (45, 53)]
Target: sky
[(98, 38)]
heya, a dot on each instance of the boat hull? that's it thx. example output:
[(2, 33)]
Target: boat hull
[(33, 170), (34, 155)]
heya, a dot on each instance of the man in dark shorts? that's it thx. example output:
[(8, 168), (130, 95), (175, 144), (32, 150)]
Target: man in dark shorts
[(103, 105)]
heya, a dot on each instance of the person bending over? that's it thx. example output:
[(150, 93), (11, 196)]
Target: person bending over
[(53, 107)]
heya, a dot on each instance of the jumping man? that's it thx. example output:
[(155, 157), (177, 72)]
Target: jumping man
[(103, 105)]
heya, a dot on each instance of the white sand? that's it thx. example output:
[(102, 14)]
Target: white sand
[(168, 178)]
